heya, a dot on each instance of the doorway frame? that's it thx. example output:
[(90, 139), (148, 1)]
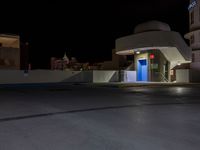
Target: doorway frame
[(139, 76)]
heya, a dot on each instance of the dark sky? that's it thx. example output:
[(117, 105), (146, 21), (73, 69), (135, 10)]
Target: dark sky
[(86, 29)]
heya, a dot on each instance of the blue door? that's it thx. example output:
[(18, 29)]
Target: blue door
[(142, 70)]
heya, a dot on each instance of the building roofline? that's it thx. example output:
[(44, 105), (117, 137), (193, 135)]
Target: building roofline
[(10, 35)]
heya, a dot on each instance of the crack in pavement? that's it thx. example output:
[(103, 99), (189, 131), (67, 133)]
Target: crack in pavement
[(7, 119)]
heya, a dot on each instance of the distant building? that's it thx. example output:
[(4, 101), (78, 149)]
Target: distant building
[(65, 63), (9, 51), (59, 64), (157, 51), (117, 63)]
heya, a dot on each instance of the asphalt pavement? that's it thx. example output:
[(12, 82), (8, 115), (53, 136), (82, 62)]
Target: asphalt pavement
[(100, 118)]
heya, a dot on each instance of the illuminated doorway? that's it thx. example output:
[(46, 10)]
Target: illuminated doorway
[(142, 70)]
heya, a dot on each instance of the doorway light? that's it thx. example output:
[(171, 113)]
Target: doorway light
[(138, 52), (178, 63)]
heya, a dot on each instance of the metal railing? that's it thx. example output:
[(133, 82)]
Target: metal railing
[(163, 77)]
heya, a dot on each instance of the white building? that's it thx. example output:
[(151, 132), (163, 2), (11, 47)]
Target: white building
[(157, 51), (194, 37)]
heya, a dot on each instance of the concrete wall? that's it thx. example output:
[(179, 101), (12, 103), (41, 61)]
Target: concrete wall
[(195, 65), (98, 76), (43, 76), (129, 76), (195, 76), (195, 72), (105, 76), (182, 75), (196, 56), (50, 76)]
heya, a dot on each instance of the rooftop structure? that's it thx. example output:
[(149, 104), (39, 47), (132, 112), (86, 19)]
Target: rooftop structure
[(156, 49)]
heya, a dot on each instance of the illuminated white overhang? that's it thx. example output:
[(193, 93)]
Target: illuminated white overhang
[(171, 54), (170, 43), (133, 51)]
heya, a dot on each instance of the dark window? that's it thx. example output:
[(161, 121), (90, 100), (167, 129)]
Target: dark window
[(192, 17), (130, 57), (199, 13), (192, 39), (193, 57), (0, 44)]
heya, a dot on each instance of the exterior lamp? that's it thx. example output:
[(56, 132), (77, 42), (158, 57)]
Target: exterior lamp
[(178, 63), (137, 52)]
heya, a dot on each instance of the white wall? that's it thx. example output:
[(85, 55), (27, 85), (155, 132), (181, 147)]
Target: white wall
[(105, 76), (182, 75), (129, 76), (49, 76)]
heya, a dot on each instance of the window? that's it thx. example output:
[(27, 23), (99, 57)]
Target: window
[(199, 35), (193, 57), (192, 39), (199, 13), (192, 17), (130, 57)]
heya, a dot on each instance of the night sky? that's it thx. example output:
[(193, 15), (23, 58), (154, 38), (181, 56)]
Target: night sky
[(84, 29)]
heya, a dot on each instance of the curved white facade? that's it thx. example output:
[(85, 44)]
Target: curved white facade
[(152, 26)]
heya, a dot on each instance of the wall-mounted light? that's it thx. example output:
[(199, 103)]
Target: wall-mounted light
[(178, 63), (138, 52)]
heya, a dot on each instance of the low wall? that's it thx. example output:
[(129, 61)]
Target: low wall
[(51, 76), (182, 75), (128, 76), (105, 76), (44, 76)]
